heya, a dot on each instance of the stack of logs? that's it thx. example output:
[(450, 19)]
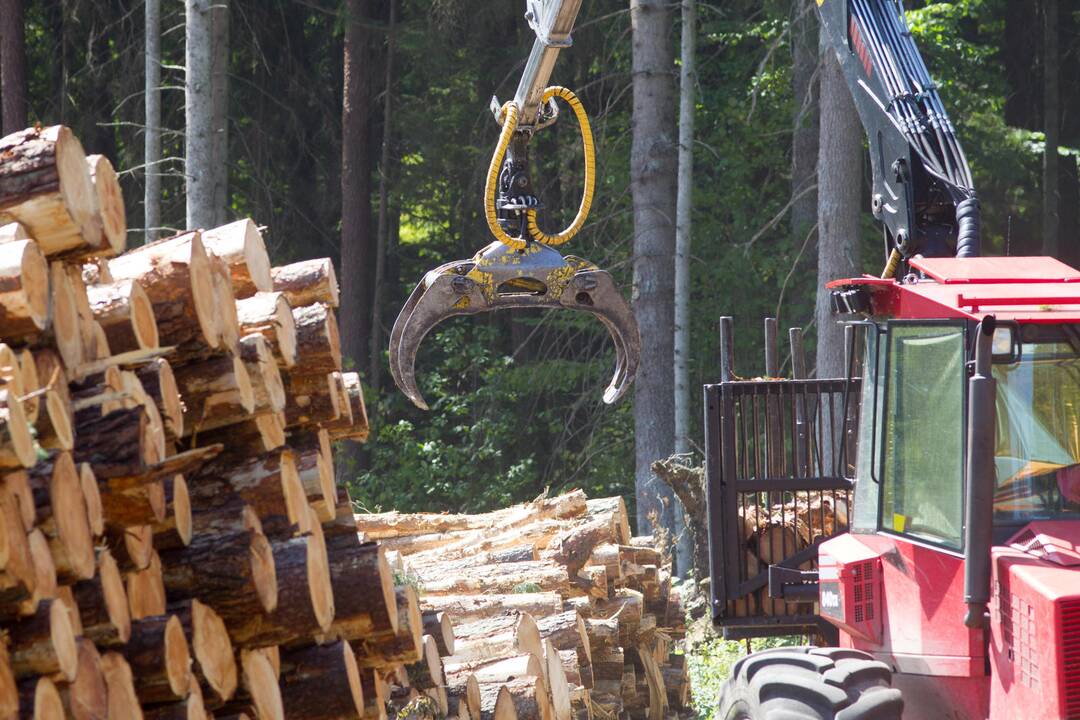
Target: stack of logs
[(172, 542), (547, 610)]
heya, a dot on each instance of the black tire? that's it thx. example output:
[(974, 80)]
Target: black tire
[(809, 683)]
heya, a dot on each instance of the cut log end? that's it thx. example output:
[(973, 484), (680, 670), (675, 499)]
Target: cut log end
[(116, 601), (87, 697), (261, 682), (263, 574), (213, 650), (110, 202), (24, 288), (44, 699), (181, 509), (123, 702), (177, 656)]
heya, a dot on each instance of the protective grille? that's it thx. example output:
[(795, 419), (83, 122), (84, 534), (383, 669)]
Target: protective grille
[(1018, 631), (1070, 657), (862, 577)]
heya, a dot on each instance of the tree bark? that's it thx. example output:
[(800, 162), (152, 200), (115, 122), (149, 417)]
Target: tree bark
[(152, 132), (12, 66), (840, 162), (1052, 127), (383, 230), (653, 185), (219, 96), (199, 114), (804, 138), (322, 683), (162, 654)]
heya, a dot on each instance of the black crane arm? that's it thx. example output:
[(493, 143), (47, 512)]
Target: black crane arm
[(922, 189)]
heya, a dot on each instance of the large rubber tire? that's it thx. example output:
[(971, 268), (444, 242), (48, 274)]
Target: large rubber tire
[(809, 683)]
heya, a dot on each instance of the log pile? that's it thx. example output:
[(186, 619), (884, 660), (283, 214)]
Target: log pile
[(547, 610), (172, 543)]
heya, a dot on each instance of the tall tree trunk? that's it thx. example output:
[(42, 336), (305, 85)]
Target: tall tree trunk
[(219, 93), (199, 115), (12, 65), (804, 136), (152, 135), (683, 236), (653, 170), (840, 164), (383, 232), (1052, 125)]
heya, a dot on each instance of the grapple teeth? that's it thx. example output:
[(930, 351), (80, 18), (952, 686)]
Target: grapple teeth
[(492, 280)]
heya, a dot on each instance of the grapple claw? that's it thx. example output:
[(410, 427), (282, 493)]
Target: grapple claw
[(499, 277)]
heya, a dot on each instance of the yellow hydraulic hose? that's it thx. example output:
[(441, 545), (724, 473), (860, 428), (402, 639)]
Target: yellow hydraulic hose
[(510, 120)]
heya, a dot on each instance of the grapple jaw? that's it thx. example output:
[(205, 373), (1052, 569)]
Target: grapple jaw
[(500, 277)]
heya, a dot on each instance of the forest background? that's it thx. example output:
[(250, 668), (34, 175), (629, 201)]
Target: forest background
[(516, 396)]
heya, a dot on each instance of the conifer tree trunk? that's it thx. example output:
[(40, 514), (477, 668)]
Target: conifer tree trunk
[(383, 232), (1052, 123), (653, 171), (219, 92), (152, 132), (804, 136), (199, 114), (12, 66), (840, 164)]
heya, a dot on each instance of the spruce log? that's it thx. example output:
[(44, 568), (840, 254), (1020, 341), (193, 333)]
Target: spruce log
[(123, 702), (268, 482), (24, 289), (146, 590), (44, 643), (322, 683), (468, 608), (261, 685), (318, 345), (232, 573), (103, 605), (241, 246), (45, 185), (402, 646), (266, 383), (175, 273), (363, 588), (110, 204), (307, 282), (315, 467), (210, 646), (86, 697), (269, 314), (160, 651), (125, 314), (62, 516), (216, 392), (159, 382), (440, 626), (39, 699), (356, 429)]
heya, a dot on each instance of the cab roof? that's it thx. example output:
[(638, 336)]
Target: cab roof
[(1023, 289)]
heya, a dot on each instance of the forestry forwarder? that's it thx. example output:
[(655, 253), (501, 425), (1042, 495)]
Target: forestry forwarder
[(521, 269), (922, 512)]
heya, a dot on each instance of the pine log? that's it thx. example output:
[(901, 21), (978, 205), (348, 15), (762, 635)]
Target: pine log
[(45, 185), (307, 282), (132, 546), (440, 626), (363, 586), (191, 707), (267, 482), (24, 289), (62, 516), (176, 529), (85, 698), (261, 684), (216, 392), (120, 443), (159, 382), (103, 605), (125, 314), (317, 341), (225, 301), (214, 665), (468, 608), (311, 399), (232, 573), (357, 429), (305, 597), (123, 702), (175, 273), (146, 590), (315, 467), (322, 683), (54, 426), (241, 246), (44, 643), (39, 699), (160, 651), (400, 646), (269, 314)]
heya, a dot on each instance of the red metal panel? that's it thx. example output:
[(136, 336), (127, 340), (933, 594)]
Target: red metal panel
[(996, 269)]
